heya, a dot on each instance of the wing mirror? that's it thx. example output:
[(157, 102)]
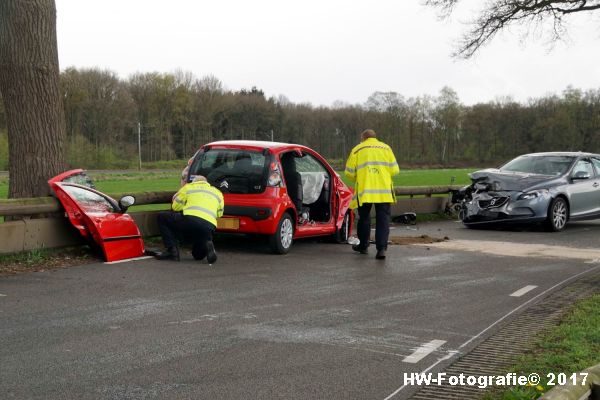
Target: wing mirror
[(580, 175), (126, 202)]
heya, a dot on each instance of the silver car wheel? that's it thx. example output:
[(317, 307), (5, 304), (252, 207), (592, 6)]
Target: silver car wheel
[(559, 214), (287, 233)]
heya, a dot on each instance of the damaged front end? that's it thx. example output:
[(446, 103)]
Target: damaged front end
[(493, 198)]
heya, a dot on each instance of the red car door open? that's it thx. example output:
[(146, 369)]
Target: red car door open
[(98, 217)]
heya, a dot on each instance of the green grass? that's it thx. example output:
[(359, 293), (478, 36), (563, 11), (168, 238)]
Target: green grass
[(428, 177), (572, 346), (138, 185), (150, 181), (433, 177)]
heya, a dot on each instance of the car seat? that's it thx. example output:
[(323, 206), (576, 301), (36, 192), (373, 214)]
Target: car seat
[(243, 163), (321, 208), (293, 181)]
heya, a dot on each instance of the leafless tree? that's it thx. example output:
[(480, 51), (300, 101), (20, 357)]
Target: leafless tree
[(497, 15)]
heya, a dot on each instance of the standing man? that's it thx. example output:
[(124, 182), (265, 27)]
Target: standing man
[(371, 165), (196, 207)]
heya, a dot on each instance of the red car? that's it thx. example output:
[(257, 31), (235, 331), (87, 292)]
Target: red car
[(285, 191)]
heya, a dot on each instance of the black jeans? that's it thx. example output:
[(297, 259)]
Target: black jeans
[(382, 224), (189, 228)]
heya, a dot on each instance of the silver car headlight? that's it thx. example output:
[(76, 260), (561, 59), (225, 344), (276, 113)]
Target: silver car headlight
[(533, 194)]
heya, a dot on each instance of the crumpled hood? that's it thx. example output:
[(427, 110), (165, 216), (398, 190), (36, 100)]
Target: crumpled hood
[(509, 181)]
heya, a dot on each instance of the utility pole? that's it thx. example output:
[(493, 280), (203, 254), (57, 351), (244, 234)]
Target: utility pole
[(140, 145)]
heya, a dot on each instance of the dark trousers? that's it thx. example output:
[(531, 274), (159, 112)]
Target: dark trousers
[(174, 225), (382, 224)]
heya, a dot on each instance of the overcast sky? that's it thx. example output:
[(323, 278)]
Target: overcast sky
[(321, 51)]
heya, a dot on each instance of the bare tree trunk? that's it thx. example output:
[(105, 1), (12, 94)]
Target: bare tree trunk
[(29, 82)]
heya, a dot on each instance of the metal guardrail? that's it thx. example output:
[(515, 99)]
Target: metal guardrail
[(48, 228), (424, 190), (577, 390), (48, 205)]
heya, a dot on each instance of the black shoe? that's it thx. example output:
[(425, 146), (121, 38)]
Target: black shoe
[(380, 255), (361, 250), (211, 255), (172, 253)]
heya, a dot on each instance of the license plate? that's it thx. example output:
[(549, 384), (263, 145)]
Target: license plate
[(228, 223)]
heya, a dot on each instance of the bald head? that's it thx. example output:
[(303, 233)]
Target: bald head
[(199, 178), (367, 134)]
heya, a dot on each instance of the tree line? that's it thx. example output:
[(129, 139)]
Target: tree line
[(174, 113)]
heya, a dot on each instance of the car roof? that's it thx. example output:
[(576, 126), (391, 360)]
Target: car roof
[(255, 145), (564, 153)]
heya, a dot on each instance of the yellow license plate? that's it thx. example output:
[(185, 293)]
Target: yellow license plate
[(228, 223)]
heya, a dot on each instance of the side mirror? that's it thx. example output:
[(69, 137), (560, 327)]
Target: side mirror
[(126, 202), (580, 175)]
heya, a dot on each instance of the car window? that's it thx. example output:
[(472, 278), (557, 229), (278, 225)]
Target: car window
[(89, 201), (544, 165), (583, 167), (307, 163), (596, 163), (232, 170), (80, 179)]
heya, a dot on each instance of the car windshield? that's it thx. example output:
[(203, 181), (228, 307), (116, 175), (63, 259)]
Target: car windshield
[(543, 165), (232, 170)]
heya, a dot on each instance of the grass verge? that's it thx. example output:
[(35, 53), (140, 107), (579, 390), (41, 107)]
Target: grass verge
[(45, 259), (572, 346)]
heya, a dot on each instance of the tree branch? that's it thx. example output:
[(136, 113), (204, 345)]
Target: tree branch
[(499, 14)]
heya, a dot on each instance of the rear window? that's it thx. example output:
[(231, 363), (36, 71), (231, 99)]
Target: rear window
[(232, 170)]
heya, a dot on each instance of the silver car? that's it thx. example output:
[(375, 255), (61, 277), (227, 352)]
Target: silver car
[(549, 187)]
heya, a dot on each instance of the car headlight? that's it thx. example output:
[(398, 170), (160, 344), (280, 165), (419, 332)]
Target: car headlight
[(533, 194)]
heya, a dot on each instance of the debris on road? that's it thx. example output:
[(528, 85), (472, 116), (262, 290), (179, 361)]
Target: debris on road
[(422, 239)]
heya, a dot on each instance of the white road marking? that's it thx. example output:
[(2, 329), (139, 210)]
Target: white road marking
[(129, 259), (524, 290), (568, 280), (451, 354), (423, 351), (2, 295)]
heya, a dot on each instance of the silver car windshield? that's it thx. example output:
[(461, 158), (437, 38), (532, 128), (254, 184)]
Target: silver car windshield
[(543, 165)]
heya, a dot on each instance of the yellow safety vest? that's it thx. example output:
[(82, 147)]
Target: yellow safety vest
[(199, 199), (371, 165)]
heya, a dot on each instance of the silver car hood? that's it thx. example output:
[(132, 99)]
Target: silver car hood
[(512, 181)]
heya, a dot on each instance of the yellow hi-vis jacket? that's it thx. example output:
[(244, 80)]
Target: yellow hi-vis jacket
[(199, 199), (371, 165)]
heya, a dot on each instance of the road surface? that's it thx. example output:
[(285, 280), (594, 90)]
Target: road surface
[(321, 322)]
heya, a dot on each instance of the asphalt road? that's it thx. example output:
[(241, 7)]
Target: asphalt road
[(322, 322)]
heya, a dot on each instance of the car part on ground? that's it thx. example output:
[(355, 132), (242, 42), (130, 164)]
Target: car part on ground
[(100, 219)]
